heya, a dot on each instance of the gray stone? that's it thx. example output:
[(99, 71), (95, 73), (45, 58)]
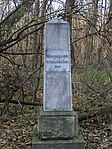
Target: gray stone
[(75, 143), (57, 125), (57, 95), (57, 35), (57, 121), (57, 61), (57, 67)]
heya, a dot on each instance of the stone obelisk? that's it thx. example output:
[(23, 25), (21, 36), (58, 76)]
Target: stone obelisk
[(57, 121)]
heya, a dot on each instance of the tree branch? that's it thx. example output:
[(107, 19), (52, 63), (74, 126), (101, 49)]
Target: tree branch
[(19, 38), (93, 113), (22, 103), (16, 14)]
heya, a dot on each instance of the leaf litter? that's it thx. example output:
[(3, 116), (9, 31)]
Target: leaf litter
[(16, 131)]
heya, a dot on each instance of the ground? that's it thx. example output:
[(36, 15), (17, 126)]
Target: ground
[(16, 130)]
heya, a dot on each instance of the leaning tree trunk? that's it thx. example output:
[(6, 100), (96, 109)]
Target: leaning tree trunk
[(68, 9), (92, 30)]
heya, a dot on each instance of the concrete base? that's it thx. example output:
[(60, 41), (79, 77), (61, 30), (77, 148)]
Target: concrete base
[(57, 125), (75, 143)]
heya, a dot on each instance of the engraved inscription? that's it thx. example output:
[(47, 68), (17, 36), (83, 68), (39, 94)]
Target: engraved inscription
[(57, 61)]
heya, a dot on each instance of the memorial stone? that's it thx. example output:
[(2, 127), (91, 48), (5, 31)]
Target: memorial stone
[(58, 126), (57, 67)]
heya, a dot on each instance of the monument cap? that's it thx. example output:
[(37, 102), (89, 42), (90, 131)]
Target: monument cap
[(57, 20)]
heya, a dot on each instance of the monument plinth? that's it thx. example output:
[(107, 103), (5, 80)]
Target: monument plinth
[(57, 125), (57, 120)]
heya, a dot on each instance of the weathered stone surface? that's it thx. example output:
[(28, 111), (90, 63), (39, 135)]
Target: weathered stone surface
[(57, 67), (57, 61), (59, 146), (57, 125), (75, 143), (57, 122), (57, 93), (57, 35)]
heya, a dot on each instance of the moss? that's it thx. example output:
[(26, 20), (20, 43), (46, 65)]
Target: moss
[(35, 139)]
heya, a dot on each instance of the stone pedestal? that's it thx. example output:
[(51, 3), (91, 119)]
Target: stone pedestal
[(57, 125), (74, 143), (57, 130)]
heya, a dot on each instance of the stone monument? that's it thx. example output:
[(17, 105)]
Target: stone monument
[(58, 125)]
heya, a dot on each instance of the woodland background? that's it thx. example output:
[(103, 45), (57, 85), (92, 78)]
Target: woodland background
[(21, 67)]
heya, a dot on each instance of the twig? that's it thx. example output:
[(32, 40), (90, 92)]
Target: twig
[(22, 102)]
